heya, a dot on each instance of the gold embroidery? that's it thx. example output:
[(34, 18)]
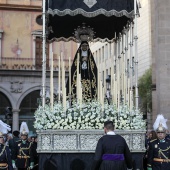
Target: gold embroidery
[(3, 150), (87, 84)]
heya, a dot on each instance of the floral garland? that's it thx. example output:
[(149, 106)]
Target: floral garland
[(88, 116)]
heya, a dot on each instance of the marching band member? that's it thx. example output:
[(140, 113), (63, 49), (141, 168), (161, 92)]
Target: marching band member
[(5, 157), (22, 157), (159, 148)]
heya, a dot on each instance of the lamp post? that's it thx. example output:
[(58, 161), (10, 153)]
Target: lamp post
[(47, 97), (108, 90), (8, 114)]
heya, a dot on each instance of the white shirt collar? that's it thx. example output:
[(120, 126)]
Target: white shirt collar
[(111, 133)]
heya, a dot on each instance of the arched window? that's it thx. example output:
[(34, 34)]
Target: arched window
[(27, 109), (4, 102)]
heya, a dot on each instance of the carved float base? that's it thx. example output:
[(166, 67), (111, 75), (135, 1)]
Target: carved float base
[(84, 141), (62, 149)]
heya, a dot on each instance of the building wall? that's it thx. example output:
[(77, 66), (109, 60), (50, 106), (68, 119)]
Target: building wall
[(144, 46), (18, 30), (160, 30), (144, 37), (144, 40), (17, 27)]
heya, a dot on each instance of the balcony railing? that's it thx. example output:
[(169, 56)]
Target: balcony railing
[(27, 64)]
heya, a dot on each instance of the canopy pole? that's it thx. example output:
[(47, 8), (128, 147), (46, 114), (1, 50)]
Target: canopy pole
[(136, 57), (43, 57)]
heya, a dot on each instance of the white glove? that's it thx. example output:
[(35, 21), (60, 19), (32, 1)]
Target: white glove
[(13, 165), (31, 165)]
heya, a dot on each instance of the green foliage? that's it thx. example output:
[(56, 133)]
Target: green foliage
[(145, 91)]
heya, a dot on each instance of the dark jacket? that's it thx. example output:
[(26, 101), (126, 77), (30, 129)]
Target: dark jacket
[(23, 154), (112, 144), (11, 143), (5, 156), (159, 150)]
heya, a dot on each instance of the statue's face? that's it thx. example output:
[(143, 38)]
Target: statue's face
[(161, 135), (84, 47)]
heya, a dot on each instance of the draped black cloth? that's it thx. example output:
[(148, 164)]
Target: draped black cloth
[(88, 76), (73, 161), (106, 17)]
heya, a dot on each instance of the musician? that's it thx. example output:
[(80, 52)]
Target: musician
[(159, 148), (22, 156)]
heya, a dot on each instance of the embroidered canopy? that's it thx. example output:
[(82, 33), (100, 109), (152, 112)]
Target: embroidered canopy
[(106, 17)]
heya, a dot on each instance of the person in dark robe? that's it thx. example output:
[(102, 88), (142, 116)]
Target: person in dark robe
[(13, 140), (159, 148), (88, 72), (5, 157), (112, 151), (35, 154)]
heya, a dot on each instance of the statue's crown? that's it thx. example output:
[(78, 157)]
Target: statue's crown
[(84, 33)]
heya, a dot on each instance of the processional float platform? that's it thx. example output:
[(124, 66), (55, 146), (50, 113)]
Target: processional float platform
[(63, 147), (60, 150)]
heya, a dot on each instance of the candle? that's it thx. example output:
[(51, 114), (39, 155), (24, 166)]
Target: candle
[(98, 80), (104, 81), (80, 92), (101, 96), (59, 78), (78, 57), (64, 99), (115, 90), (63, 85), (51, 83), (63, 75), (103, 92), (69, 75)]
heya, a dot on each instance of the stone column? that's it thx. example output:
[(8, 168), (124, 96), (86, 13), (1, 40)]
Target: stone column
[(15, 120), (34, 51), (0, 46)]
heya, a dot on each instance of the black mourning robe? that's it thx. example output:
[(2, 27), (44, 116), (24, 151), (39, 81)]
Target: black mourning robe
[(88, 77), (154, 147), (112, 144)]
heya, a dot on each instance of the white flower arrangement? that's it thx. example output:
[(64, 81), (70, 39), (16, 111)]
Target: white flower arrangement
[(88, 116)]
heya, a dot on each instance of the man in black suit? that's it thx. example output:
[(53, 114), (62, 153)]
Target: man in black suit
[(112, 151)]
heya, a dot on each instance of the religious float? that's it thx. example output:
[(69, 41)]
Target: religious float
[(68, 130)]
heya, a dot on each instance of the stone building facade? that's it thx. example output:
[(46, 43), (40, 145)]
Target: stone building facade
[(160, 34), (21, 60)]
